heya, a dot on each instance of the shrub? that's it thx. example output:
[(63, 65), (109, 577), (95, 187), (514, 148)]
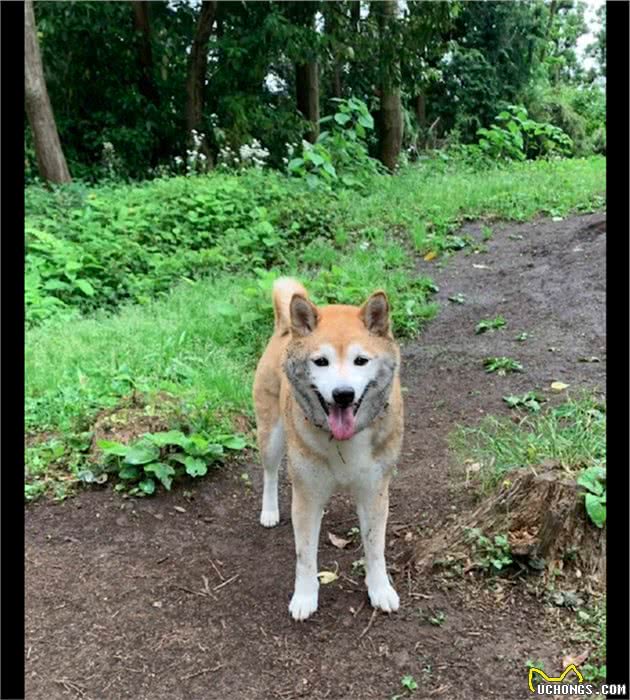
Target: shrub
[(97, 249), (516, 137)]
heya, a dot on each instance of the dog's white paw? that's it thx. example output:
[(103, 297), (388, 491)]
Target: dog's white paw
[(269, 518), (384, 596), (303, 605)]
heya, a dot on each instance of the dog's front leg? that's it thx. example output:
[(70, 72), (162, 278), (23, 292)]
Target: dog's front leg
[(307, 509), (372, 507)]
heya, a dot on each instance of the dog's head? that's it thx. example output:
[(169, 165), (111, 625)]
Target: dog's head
[(341, 362)]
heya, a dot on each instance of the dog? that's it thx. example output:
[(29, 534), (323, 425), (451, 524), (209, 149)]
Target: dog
[(327, 392)]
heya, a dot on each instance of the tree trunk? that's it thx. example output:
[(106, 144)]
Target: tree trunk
[(307, 94), (355, 14), (197, 66), (142, 26), (421, 111), (391, 122), (50, 159)]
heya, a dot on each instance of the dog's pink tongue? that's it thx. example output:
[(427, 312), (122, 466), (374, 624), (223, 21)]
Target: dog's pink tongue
[(341, 422)]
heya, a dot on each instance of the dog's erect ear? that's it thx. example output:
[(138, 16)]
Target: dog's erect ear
[(304, 315), (375, 314)]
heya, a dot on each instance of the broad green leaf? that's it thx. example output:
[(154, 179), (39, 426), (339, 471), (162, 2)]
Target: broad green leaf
[(163, 472), (234, 442), (295, 164), (589, 479), (148, 486), (342, 118), (85, 287), (129, 472), (195, 466), (596, 509), (170, 437), (142, 452), (111, 447)]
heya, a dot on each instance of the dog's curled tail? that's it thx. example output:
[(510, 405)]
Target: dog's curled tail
[(283, 290)]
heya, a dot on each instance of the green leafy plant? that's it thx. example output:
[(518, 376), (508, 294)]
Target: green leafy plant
[(162, 457), (593, 480), (490, 554), (516, 137), (502, 365), (490, 324), (531, 401), (340, 152), (409, 683), (438, 619)]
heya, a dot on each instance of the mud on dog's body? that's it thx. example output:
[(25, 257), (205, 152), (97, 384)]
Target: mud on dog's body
[(327, 391)]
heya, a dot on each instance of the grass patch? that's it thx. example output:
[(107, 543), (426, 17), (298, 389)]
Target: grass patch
[(572, 435), (430, 201)]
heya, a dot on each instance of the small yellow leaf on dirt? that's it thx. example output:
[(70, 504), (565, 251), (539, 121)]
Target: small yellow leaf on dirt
[(577, 660), (559, 386), (327, 577), (337, 541), (431, 255)]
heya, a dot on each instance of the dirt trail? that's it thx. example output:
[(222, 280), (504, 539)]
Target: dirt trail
[(134, 599)]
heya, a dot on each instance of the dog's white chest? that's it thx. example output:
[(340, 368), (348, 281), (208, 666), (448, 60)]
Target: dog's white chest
[(349, 463)]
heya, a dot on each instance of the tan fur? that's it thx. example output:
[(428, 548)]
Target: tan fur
[(371, 453)]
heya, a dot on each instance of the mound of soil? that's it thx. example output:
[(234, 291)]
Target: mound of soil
[(185, 597)]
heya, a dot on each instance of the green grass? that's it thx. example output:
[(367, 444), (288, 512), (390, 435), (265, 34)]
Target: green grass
[(430, 200), (197, 339), (572, 435)]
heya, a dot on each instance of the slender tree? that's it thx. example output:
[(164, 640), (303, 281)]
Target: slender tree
[(391, 123), (197, 67), (50, 159), (142, 27)]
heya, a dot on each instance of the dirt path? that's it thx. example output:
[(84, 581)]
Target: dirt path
[(116, 606)]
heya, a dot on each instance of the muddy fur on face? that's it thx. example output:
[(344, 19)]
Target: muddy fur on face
[(296, 367)]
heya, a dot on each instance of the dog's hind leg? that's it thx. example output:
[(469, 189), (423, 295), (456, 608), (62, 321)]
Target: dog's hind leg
[(272, 446)]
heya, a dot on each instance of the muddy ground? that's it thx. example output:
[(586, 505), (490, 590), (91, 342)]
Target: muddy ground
[(177, 597)]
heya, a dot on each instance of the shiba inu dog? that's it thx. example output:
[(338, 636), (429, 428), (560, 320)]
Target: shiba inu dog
[(327, 391)]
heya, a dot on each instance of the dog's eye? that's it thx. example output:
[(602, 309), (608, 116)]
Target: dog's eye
[(321, 362), (361, 361)]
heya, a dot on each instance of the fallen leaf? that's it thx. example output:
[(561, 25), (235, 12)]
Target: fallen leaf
[(327, 577), (179, 509), (559, 386), (577, 660), (337, 541), (481, 267), (431, 255)]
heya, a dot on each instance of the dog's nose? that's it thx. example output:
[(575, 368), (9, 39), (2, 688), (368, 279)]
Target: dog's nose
[(343, 396)]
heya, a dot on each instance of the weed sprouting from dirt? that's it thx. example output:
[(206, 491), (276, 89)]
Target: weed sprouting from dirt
[(502, 365)]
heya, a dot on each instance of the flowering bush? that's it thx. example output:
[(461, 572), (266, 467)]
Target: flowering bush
[(249, 155)]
